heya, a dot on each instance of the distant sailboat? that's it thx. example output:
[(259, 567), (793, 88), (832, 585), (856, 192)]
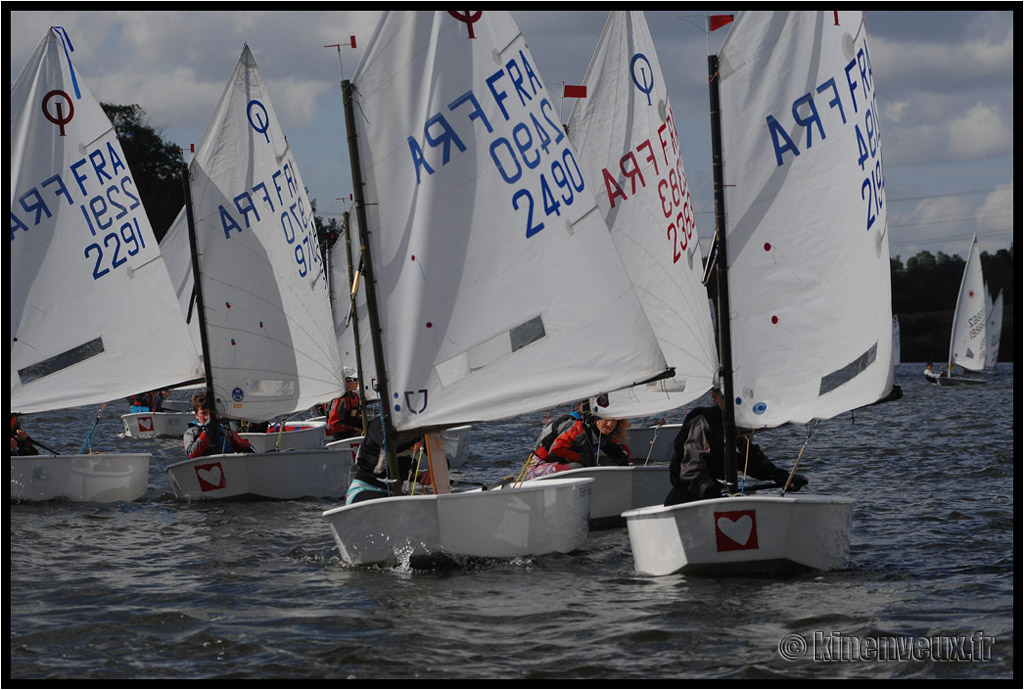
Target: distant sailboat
[(968, 342), (803, 281), (93, 314), (262, 300), (895, 340), (489, 273)]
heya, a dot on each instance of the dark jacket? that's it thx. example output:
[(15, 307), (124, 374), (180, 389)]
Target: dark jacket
[(369, 456), (698, 466), (199, 442)]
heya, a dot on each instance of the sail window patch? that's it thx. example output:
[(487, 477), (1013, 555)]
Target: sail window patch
[(526, 333), (837, 378), (61, 361), (490, 351)]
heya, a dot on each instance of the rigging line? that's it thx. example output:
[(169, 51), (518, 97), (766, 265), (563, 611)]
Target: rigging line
[(657, 430), (810, 431), (520, 478)]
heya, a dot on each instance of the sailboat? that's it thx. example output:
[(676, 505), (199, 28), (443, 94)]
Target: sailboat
[(968, 342), (93, 313), (625, 132), (489, 277), (994, 328), (895, 340), (262, 300), (169, 423), (804, 319)]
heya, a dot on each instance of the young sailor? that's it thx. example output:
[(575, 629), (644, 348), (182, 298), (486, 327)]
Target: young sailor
[(198, 438), (697, 469), (371, 479), (578, 439), (345, 419)]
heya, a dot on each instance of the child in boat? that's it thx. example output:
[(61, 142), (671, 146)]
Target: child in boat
[(198, 439), (345, 419), (578, 439)]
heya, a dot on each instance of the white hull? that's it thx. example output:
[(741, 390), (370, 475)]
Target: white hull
[(653, 444), (296, 436), (456, 444), (284, 475), (618, 489), (743, 533), (958, 381), (547, 517), (153, 424), (349, 446), (101, 477)]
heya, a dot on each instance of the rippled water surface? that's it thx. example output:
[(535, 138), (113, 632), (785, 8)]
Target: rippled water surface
[(161, 588)]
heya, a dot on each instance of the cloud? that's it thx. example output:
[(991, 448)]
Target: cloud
[(979, 132)]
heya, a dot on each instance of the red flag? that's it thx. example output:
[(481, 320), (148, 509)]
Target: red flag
[(353, 40), (717, 21), (571, 91)]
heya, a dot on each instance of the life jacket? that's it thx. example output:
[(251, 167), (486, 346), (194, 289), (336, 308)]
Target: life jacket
[(556, 428), (344, 415), (141, 400), (204, 445)]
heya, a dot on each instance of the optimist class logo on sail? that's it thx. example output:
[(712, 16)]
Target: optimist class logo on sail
[(527, 146)]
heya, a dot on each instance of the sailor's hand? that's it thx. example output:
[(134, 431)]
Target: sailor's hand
[(797, 482)]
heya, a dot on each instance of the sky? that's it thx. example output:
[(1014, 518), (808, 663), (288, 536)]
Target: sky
[(944, 83)]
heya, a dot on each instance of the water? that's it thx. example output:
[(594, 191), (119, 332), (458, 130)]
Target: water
[(160, 588)]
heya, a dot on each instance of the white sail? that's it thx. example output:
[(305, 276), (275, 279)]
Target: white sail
[(270, 330), (994, 328), (93, 313), (895, 340), (177, 253), (808, 251), (968, 341), (344, 317), (500, 290), (625, 131)]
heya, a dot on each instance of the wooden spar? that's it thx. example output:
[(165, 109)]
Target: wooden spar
[(197, 291), (721, 265), (370, 284), (355, 319)]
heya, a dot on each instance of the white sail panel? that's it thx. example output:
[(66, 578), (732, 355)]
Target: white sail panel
[(895, 340), (267, 308), (808, 251), (93, 314), (500, 289), (969, 341), (994, 329), (345, 314), (177, 253), (625, 131)]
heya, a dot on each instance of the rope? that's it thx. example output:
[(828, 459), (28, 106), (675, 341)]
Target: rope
[(657, 430), (522, 473), (416, 474), (88, 438), (810, 430)]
